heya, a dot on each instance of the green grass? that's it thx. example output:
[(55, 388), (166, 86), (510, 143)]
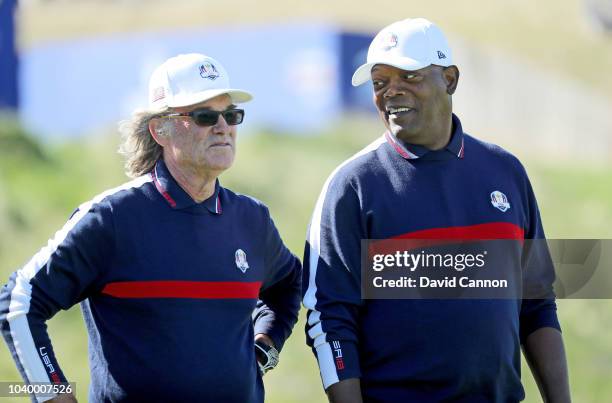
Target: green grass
[(40, 190)]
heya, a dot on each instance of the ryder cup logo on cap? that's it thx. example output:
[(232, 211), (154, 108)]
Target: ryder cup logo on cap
[(410, 44), (208, 70), (190, 79), (388, 41)]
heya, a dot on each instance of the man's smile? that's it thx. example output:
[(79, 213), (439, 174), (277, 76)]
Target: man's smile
[(398, 111)]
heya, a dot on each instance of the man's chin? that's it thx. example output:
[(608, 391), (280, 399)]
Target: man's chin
[(402, 132), (216, 165), (220, 167)]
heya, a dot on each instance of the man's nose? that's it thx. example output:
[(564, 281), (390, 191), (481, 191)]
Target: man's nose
[(221, 127), (395, 88)]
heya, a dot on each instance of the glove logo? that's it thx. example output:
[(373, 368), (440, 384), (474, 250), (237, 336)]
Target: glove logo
[(241, 261), (500, 201)]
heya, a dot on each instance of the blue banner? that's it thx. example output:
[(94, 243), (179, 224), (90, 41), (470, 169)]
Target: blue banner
[(353, 52), (8, 56), (290, 69)]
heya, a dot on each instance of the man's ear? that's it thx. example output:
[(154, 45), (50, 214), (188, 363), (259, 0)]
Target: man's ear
[(158, 132), (451, 77)]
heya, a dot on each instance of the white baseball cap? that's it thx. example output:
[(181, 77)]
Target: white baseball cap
[(409, 44), (189, 79)]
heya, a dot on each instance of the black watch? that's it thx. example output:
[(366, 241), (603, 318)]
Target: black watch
[(267, 356)]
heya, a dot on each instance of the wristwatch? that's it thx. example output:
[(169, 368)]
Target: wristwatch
[(267, 356)]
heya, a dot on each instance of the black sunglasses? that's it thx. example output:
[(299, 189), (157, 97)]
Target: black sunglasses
[(208, 117)]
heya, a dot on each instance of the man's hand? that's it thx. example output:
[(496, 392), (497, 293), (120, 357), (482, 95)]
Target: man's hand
[(264, 338), (346, 391), (546, 357), (265, 353)]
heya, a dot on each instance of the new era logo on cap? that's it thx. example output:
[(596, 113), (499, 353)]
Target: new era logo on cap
[(410, 44)]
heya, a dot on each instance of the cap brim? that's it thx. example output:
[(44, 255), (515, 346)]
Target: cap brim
[(237, 96), (364, 72)]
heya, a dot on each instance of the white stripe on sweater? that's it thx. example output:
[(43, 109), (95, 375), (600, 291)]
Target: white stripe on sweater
[(325, 357), (19, 305)]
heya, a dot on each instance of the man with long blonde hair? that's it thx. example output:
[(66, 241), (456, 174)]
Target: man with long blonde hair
[(187, 289)]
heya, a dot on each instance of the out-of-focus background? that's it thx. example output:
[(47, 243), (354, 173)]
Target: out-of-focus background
[(535, 78)]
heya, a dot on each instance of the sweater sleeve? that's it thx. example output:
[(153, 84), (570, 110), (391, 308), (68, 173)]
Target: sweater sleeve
[(279, 299), (60, 275), (332, 282), (539, 309)]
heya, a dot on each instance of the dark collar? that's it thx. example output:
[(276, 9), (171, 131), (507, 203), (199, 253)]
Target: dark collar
[(408, 151), (176, 197)]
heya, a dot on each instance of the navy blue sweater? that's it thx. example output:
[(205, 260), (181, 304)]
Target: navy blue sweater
[(172, 293), (420, 350)]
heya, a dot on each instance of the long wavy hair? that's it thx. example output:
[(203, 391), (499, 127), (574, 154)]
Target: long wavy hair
[(139, 148)]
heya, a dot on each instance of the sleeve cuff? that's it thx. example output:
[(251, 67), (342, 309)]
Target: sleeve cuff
[(338, 360), (265, 325), (543, 313)]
